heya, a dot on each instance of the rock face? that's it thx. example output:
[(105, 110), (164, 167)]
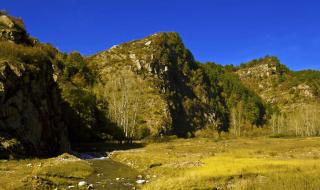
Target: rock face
[(31, 121), (30, 116), (12, 29), (161, 78)]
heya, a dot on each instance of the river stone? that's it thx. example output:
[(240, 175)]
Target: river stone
[(90, 186), (141, 181), (82, 183)]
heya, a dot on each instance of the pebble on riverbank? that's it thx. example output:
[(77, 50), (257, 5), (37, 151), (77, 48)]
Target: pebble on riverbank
[(141, 181)]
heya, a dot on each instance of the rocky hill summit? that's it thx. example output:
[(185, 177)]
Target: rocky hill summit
[(263, 76), (278, 85), (156, 83), (12, 29), (31, 122)]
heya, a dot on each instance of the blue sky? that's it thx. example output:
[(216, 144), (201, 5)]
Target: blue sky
[(223, 31)]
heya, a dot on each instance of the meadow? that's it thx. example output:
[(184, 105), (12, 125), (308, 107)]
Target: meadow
[(255, 163), (200, 164)]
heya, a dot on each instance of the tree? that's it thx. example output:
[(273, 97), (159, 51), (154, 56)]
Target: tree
[(303, 121), (237, 119), (125, 104)]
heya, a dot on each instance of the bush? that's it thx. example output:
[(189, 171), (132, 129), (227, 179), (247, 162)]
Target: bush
[(75, 64), (141, 132), (207, 133)]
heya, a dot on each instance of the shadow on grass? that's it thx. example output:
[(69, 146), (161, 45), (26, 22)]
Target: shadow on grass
[(100, 151), (104, 147)]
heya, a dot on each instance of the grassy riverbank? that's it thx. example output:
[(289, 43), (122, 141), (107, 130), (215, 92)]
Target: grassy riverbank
[(63, 171)]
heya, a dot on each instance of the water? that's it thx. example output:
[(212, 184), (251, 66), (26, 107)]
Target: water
[(112, 175), (109, 174)]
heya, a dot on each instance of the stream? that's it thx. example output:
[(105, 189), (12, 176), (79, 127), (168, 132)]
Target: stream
[(112, 175)]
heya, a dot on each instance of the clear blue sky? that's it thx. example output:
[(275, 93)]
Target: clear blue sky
[(224, 31)]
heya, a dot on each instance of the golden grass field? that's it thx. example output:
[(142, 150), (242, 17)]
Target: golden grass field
[(256, 163), (198, 164)]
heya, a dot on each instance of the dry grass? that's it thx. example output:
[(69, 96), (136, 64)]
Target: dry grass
[(261, 163)]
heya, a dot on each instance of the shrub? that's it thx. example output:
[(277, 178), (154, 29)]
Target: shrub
[(207, 133), (22, 53), (3, 12)]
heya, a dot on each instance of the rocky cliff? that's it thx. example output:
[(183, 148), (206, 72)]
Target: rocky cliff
[(31, 122)]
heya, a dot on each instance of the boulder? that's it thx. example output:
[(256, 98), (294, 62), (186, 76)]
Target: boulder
[(6, 21), (12, 29)]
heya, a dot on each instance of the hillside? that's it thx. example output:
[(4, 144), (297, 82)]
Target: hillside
[(31, 120), (246, 109), (293, 95), (155, 85), (278, 85)]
